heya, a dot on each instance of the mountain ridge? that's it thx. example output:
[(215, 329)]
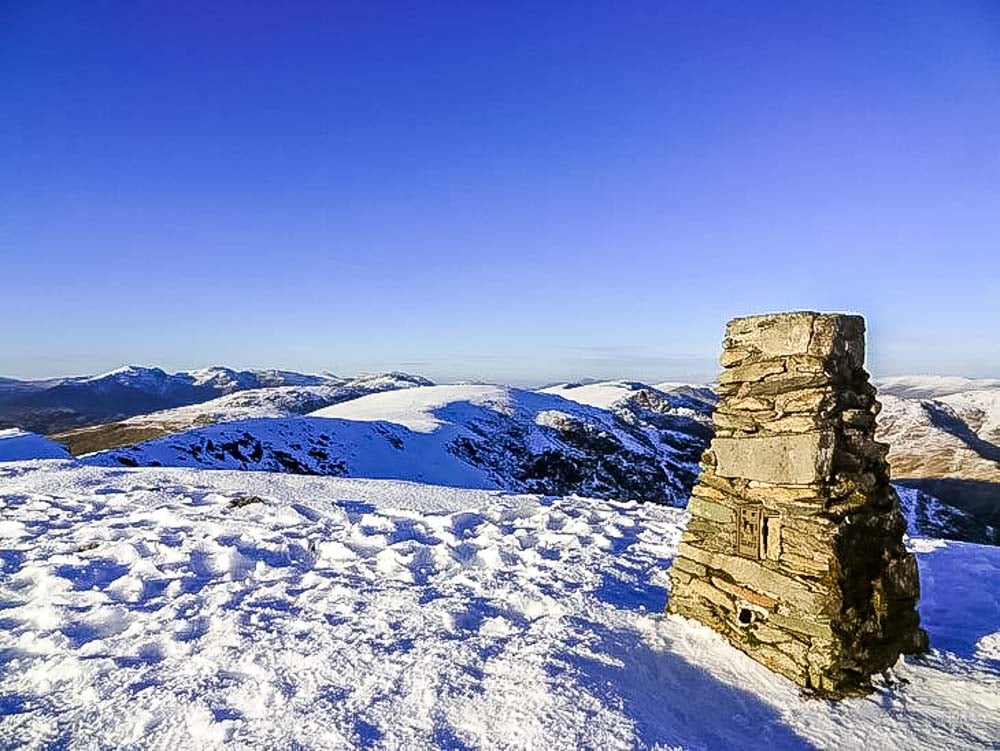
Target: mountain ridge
[(473, 435), (943, 432), (59, 404)]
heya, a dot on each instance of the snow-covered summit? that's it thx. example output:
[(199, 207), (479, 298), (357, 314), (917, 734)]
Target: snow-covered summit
[(602, 394), (679, 399), (216, 377), (392, 379), (423, 410), (150, 380)]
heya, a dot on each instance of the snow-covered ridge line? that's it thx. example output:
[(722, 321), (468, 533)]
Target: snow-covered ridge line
[(459, 435), (606, 439), (271, 402), (947, 446)]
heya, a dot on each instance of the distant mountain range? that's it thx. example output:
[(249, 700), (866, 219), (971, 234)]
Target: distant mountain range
[(271, 402), (60, 404), (600, 438)]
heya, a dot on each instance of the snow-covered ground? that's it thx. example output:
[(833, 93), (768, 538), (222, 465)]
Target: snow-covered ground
[(427, 409), (18, 445), (239, 404), (176, 608), (276, 401)]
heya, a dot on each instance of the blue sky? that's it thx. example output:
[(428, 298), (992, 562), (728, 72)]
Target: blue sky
[(521, 192)]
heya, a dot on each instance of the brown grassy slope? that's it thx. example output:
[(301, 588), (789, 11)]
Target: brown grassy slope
[(112, 435)]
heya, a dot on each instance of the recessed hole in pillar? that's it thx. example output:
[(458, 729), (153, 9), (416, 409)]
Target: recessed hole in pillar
[(745, 616)]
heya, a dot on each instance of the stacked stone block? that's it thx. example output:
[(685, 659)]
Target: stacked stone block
[(794, 549)]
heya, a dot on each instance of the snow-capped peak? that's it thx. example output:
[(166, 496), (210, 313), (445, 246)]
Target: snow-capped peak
[(152, 380), (128, 372)]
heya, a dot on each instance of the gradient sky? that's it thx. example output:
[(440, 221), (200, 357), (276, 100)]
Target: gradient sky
[(521, 192)]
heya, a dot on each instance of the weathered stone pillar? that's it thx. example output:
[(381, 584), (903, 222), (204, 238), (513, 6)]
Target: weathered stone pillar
[(794, 550)]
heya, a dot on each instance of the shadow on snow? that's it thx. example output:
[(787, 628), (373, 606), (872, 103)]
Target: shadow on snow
[(670, 701)]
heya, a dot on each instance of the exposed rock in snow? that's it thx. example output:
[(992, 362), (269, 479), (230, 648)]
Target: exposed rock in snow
[(192, 609), (927, 516), (679, 408), (18, 445)]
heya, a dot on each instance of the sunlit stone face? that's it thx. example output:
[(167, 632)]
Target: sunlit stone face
[(794, 546)]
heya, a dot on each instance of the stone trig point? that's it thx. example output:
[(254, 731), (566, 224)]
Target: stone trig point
[(794, 550)]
